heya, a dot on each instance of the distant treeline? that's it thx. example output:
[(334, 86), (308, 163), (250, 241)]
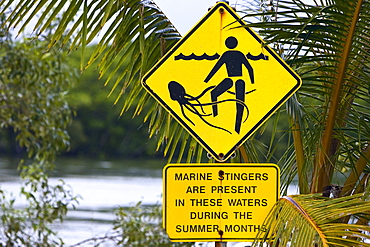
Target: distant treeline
[(96, 129)]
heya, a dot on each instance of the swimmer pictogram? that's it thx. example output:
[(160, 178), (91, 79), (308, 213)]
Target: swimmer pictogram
[(234, 60)]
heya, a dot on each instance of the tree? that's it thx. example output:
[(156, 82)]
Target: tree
[(327, 44), (97, 129), (33, 86)]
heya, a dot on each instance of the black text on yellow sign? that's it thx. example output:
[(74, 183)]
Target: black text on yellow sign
[(228, 202), (221, 82)]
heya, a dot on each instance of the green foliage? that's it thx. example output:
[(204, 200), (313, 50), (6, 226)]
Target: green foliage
[(138, 33), (136, 227), (97, 130), (313, 220), (33, 88), (327, 44), (142, 226), (30, 225)]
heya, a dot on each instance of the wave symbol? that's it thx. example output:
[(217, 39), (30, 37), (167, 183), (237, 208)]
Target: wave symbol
[(195, 57)]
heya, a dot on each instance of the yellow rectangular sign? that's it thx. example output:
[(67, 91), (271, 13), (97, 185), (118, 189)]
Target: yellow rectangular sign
[(218, 202)]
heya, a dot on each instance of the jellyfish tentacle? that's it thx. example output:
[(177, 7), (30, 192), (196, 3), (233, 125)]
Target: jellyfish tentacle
[(222, 101), (214, 126), (248, 92), (247, 115), (191, 98), (183, 113), (204, 92), (227, 100), (202, 117), (192, 109)]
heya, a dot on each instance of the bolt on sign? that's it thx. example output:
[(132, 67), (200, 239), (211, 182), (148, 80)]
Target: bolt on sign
[(221, 82), (228, 202)]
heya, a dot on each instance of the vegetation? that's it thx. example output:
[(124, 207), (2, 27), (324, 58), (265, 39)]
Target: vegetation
[(137, 226), (328, 45), (328, 134), (97, 129), (33, 86)]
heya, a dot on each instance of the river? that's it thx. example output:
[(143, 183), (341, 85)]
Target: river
[(103, 186)]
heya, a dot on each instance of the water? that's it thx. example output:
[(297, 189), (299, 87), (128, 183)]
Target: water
[(104, 186)]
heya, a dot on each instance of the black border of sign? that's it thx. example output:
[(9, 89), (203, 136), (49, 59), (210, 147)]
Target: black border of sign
[(218, 165), (179, 119)]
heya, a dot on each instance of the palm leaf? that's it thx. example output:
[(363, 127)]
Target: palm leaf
[(323, 165), (328, 45), (311, 220), (355, 175), (137, 32)]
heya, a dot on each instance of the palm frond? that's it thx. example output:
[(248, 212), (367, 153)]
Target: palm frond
[(354, 177), (135, 33), (328, 45), (323, 166), (311, 220)]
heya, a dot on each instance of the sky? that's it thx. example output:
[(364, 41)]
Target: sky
[(185, 14)]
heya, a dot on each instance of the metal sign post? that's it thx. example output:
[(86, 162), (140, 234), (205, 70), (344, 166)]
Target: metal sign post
[(220, 244)]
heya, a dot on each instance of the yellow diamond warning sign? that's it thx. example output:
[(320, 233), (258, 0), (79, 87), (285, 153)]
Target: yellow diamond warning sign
[(227, 202), (220, 82)]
